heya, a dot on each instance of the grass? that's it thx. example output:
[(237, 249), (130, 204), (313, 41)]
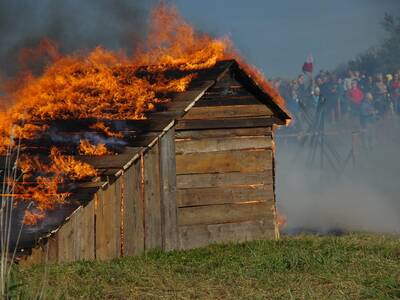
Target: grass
[(354, 266)]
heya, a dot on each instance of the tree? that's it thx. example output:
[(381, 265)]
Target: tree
[(385, 57)]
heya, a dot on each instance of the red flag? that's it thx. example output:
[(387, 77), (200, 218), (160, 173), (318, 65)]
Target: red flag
[(308, 66)]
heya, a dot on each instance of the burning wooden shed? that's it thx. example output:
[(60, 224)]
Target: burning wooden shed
[(198, 170)]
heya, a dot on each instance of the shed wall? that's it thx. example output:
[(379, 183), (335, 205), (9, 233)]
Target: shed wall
[(225, 190), (135, 212)]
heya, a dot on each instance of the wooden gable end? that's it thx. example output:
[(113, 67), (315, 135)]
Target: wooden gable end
[(227, 99)]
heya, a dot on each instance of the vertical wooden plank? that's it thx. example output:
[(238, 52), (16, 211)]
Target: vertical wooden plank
[(107, 223), (66, 242), (168, 191), (118, 194), (275, 210), (85, 225), (133, 211), (152, 203), (51, 250)]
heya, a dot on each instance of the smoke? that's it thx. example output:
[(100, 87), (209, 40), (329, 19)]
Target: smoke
[(362, 197), (72, 24)]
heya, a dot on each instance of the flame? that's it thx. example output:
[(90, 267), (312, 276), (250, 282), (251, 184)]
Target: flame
[(101, 84), (86, 148), (47, 178), (106, 130), (31, 218), (281, 221), (68, 166)]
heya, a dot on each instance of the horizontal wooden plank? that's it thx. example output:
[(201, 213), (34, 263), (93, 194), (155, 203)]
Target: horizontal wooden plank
[(248, 161), (227, 100), (236, 91), (222, 144), (202, 235), (225, 213), (200, 134), (223, 180), (218, 195), (227, 123), (143, 125), (232, 111), (106, 161), (109, 172)]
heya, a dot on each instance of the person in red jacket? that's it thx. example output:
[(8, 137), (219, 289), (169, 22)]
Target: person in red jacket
[(355, 96)]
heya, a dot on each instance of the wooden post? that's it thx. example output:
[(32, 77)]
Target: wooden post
[(152, 201), (108, 223), (133, 211), (168, 191)]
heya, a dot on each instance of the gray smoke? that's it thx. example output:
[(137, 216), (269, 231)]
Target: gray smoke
[(364, 197), (72, 24)]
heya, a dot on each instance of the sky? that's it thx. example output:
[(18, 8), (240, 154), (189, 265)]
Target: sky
[(274, 35), (277, 35)]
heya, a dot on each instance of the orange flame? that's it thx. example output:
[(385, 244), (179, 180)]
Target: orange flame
[(86, 148), (45, 191), (104, 85), (106, 130), (281, 221), (31, 218)]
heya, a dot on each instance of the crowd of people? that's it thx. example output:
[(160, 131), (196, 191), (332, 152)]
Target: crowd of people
[(364, 97)]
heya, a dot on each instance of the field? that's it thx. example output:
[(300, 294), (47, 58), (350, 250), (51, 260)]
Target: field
[(353, 266)]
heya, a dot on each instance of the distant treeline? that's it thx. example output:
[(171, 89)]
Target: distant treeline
[(385, 57)]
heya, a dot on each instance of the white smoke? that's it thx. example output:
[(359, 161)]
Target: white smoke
[(364, 197)]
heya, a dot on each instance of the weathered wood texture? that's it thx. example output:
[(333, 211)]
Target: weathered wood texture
[(208, 180), (225, 213), (75, 240), (224, 195), (152, 199), (222, 144), (232, 111), (108, 210), (168, 191), (246, 161), (203, 235), (225, 190), (244, 122), (133, 210), (224, 133)]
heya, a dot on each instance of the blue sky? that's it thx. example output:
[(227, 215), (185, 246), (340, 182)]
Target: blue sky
[(277, 35)]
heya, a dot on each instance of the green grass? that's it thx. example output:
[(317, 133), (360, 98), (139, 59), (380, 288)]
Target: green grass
[(355, 266)]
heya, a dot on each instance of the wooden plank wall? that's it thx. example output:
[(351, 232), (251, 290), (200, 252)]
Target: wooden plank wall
[(134, 213), (224, 195), (225, 179)]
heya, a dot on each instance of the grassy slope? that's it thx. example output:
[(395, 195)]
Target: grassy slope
[(348, 267)]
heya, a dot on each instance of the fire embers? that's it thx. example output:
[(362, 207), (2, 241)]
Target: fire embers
[(86, 148), (42, 179)]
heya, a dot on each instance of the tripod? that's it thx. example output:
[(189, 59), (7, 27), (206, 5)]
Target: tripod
[(315, 139)]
